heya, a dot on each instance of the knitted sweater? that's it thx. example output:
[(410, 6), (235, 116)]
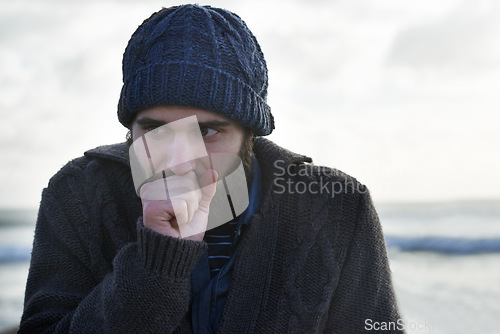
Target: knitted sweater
[(310, 261)]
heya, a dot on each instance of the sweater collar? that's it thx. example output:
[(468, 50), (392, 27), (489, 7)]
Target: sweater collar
[(115, 152), (268, 151), (273, 159)]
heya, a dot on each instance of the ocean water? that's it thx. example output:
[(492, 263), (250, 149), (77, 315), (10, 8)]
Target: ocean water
[(445, 259), (16, 238)]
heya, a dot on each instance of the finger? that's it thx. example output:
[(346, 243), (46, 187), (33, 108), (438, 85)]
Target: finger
[(180, 211), (159, 216), (157, 210), (195, 230), (155, 190), (193, 202), (208, 184), (185, 194)]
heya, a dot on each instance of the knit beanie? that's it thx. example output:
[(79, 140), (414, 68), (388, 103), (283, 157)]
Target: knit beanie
[(196, 56)]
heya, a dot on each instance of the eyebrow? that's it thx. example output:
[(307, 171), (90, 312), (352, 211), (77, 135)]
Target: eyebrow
[(210, 124), (157, 122), (149, 121)]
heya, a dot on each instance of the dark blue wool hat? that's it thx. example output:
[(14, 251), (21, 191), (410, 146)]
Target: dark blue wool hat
[(196, 56)]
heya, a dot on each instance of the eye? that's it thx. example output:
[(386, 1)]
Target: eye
[(208, 132), (155, 129), (150, 128), (156, 132)]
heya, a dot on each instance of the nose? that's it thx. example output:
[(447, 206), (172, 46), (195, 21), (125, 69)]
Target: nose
[(183, 168), (181, 156)]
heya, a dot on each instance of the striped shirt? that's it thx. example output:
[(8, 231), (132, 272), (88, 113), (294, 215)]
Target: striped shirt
[(220, 245)]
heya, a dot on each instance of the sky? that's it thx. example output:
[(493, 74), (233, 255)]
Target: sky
[(401, 94)]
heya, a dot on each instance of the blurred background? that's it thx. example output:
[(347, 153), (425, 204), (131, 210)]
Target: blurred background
[(403, 95)]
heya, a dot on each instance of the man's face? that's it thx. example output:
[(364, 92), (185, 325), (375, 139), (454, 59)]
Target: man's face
[(219, 134)]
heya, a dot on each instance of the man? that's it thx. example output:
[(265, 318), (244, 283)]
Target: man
[(113, 254)]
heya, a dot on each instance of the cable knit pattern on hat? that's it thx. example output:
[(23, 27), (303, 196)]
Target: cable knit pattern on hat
[(196, 56)]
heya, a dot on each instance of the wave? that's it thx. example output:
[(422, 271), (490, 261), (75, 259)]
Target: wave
[(15, 254), (453, 245), (17, 217)]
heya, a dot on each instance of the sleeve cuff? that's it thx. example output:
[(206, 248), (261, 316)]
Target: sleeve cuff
[(168, 256)]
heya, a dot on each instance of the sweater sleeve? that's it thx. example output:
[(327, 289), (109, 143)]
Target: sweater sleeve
[(147, 290), (364, 299)]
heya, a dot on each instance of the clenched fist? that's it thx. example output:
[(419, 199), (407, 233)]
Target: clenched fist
[(178, 206)]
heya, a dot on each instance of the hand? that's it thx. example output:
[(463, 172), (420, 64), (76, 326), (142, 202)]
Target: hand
[(178, 206)]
